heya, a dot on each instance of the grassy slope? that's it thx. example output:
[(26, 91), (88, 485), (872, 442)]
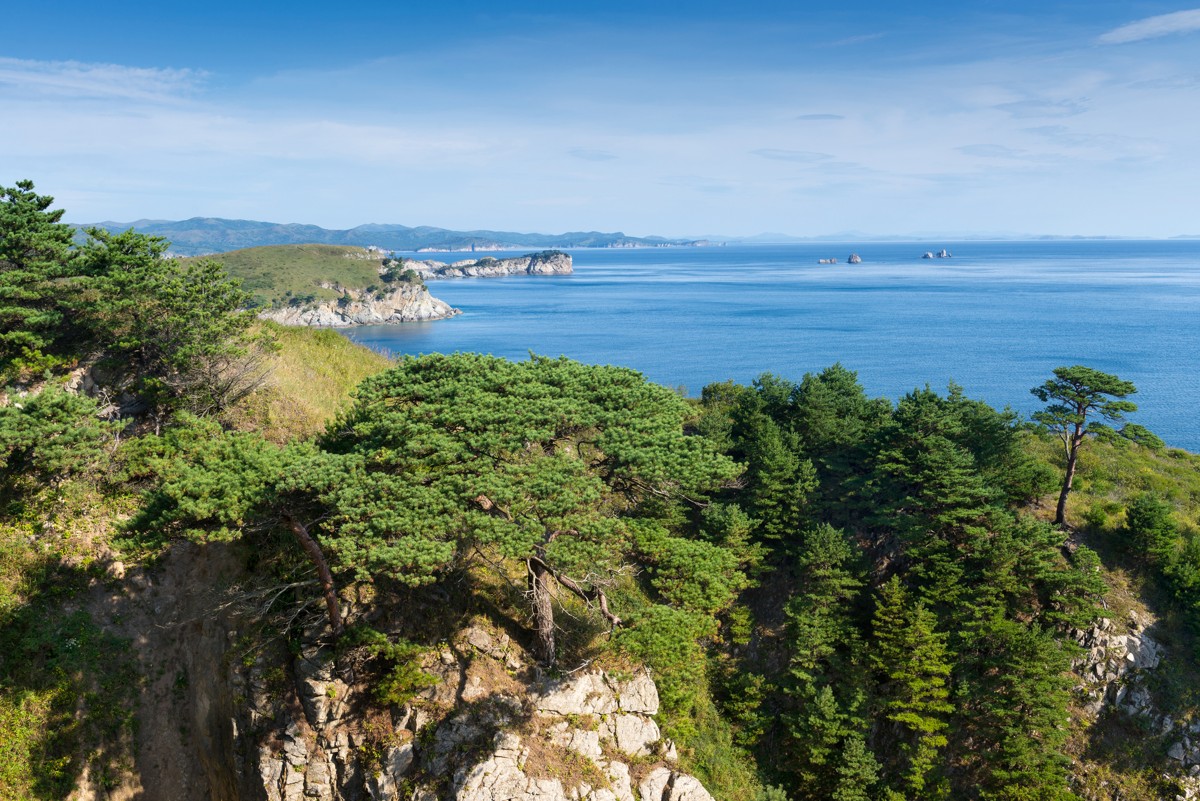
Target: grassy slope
[(1110, 474), (68, 686), (1117, 757), (311, 376), (274, 271)]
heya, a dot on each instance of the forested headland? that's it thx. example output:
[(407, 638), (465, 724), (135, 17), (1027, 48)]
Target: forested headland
[(241, 561)]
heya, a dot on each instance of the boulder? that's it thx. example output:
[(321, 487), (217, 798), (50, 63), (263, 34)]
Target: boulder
[(586, 694), (639, 696), (635, 735), (663, 784)]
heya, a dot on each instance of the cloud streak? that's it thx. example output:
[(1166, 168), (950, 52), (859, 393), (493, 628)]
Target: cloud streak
[(590, 154), (1026, 109), (801, 156), (991, 151), (1154, 27), (103, 81)]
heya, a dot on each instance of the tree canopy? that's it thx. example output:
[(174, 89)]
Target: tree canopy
[(35, 252), (176, 334), (562, 466)]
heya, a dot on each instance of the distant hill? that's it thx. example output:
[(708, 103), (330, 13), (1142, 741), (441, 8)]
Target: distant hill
[(203, 235)]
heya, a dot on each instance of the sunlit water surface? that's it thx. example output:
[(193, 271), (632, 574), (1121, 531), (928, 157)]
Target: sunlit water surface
[(995, 318)]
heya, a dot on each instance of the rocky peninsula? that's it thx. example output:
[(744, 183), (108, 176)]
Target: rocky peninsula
[(405, 299), (547, 262)]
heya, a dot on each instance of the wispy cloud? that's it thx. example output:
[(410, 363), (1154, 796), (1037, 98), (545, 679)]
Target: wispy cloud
[(1185, 82), (802, 156), (589, 154), (82, 80), (1154, 27), (853, 40), (991, 151), (1103, 147), (1025, 109), (698, 183), (815, 117)]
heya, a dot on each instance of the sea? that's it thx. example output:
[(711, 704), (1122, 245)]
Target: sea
[(996, 317)]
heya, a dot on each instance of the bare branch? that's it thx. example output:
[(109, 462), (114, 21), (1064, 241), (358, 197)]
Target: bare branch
[(595, 595)]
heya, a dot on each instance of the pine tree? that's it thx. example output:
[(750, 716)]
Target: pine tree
[(928, 491), (1149, 529), (912, 666), (547, 462), (1014, 690), (180, 329), (857, 770), (1074, 394), (35, 251), (826, 688), (780, 479)]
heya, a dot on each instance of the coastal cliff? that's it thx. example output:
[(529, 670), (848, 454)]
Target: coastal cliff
[(547, 262), (225, 716), (407, 303)]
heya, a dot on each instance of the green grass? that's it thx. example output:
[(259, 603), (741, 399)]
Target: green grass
[(277, 273), (67, 687), (310, 380), (1119, 757), (1111, 473)]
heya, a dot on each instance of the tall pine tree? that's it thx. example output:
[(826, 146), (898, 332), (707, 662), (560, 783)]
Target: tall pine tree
[(912, 667)]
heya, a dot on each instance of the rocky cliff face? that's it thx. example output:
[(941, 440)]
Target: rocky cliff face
[(548, 262), (228, 715), (482, 733), (408, 303), (1118, 676)]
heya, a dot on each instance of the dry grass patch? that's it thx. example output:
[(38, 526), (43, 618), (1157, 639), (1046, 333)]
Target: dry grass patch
[(546, 759), (309, 380)]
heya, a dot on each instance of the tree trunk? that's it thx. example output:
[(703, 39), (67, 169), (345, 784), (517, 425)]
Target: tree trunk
[(1060, 514), (543, 610), (323, 573)]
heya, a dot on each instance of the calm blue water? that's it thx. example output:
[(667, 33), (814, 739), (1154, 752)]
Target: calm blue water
[(996, 318)]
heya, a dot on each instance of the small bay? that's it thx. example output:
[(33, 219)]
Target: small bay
[(995, 318)]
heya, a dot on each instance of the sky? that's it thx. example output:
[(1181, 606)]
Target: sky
[(1068, 118)]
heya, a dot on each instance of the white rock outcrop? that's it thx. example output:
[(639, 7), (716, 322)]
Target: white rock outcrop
[(664, 784), (592, 714), (407, 303), (1113, 666), (1113, 673), (548, 262), (587, 694), (480, 734)]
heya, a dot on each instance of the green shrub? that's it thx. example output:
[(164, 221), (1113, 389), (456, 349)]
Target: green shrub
[(398, 665), (50, 436)]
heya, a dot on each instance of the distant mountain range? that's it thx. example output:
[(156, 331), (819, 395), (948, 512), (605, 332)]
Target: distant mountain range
[(202, 235)]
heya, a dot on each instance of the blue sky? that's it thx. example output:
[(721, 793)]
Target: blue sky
[(1055, 118)]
